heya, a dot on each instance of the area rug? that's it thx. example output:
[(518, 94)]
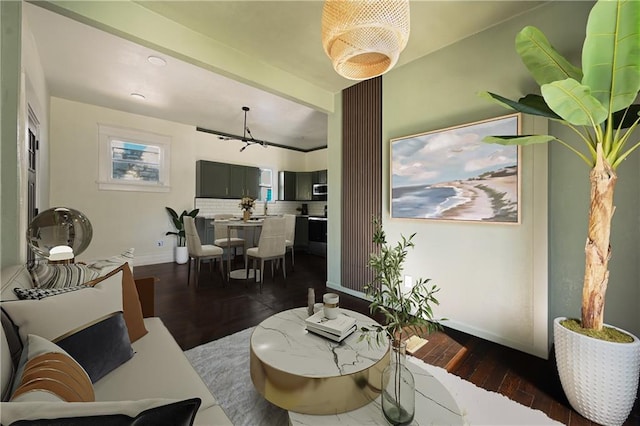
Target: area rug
[(224, 367)]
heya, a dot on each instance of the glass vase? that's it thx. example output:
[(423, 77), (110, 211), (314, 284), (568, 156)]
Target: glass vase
[(398, 388), (246, 215)]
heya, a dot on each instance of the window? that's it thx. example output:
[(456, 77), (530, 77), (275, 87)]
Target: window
[(132, 160), (266, 185)]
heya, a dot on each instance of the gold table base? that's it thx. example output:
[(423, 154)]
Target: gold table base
[(311, 395)]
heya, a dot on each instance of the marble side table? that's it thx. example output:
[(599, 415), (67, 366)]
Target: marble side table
[(305, 373)]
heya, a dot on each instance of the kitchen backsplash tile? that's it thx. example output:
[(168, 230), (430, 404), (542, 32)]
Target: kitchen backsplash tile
[(212, 206)]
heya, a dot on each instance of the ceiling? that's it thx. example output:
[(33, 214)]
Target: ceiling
[(86, 64)]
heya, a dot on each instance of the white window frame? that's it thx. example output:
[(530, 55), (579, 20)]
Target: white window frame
[(107, 134)]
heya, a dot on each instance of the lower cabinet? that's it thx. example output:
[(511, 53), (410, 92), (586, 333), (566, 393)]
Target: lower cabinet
[(301, 241), (205, 230)]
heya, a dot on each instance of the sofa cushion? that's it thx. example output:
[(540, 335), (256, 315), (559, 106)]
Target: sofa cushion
[(130, 301), (157, 412), (53, 275), (55, 316), (41, 293), (159, 369), (12, 277), (46, 370), (100, 347), (6, 366)]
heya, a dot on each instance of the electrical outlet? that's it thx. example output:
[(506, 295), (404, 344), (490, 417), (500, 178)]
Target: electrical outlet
[(160, 243), (408, 281)]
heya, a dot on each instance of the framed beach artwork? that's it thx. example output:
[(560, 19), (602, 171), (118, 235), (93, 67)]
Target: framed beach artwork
[(450, 174)]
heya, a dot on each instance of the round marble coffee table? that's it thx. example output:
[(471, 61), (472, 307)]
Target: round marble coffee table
[(305, 373)]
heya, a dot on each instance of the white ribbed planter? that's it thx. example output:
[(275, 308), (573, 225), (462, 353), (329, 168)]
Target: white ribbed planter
[(182, 255), (600, 379)]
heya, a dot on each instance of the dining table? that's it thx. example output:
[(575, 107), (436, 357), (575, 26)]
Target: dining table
[(251, 226)]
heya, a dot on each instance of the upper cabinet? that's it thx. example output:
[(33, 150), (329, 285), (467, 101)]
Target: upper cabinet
[(298, 186), (212, 179), (320, 176), (287, 186), (304, 186), (222, 180), (244, 181)]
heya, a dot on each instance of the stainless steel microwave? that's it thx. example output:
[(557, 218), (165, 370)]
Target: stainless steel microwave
[(319, 189)]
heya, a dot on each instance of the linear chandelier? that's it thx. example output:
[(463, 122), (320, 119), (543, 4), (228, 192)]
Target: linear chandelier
[(364, 38), (246, 137)]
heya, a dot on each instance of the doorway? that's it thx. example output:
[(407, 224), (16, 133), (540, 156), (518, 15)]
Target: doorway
[(33, 145)]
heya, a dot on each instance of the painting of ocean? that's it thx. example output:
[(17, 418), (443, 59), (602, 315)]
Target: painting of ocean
[(452, 174), (424, 201)]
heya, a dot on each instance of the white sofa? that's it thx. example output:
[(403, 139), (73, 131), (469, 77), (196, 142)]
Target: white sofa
[(157, 373)]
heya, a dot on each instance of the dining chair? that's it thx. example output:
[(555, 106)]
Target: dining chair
[(290, 235), (271, 246), (223, 238), (197, 251)]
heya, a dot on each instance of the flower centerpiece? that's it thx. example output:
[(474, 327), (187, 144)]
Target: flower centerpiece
[(246, 205), (405, 310)]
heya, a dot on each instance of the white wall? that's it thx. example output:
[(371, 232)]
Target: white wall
[(137, 219), (31, 91)]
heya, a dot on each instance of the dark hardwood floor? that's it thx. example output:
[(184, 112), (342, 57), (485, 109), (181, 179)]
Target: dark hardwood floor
[(215, 309)]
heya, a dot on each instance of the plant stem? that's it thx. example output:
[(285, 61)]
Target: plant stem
[(597, 249)]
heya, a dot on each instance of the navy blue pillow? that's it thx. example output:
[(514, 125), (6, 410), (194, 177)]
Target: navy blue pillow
[(100, 347), (181, 413)]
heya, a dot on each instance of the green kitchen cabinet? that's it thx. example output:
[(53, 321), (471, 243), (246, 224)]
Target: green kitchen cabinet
[(287, 186), (212, 179), (222, 180), (244, 181), (304, 186), (320, 176)]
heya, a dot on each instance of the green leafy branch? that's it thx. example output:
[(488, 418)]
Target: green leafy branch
[(402, 310)]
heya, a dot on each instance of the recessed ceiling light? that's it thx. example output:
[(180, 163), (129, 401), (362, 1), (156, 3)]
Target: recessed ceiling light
[(138, 96), (156, 60)]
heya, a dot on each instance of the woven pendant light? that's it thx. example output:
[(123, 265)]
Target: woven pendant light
[(364, 38)]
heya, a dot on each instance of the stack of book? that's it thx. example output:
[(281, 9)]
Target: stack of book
[(335, 329)]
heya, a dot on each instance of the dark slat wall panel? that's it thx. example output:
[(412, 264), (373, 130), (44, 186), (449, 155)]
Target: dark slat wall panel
[(361, 178)]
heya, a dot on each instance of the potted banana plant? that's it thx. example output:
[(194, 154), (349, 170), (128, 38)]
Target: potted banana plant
[(182, 254), (597, 103)]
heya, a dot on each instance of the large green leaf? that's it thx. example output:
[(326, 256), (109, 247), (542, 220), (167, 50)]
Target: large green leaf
[(543, 62), (538, 103), (527, 105), (573, 102), (518, 140), (611, 53)]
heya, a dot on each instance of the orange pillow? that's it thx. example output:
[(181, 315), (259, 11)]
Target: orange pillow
[(130, 302), (49, 370)]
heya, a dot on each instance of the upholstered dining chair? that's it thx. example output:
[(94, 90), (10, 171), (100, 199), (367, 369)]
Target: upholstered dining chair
[(224, 240), (197, 251), (271, 246), (290, 235)]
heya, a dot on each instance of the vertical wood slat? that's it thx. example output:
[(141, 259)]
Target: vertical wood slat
[(361, 178)]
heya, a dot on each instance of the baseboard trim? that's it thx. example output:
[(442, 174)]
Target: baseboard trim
[(152, 259)]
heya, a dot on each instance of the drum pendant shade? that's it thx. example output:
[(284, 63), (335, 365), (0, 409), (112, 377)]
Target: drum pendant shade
[(364, 38)]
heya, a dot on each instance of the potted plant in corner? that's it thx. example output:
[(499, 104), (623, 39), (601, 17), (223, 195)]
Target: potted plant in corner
[(404, 310), (182, 254), (599, 377)]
